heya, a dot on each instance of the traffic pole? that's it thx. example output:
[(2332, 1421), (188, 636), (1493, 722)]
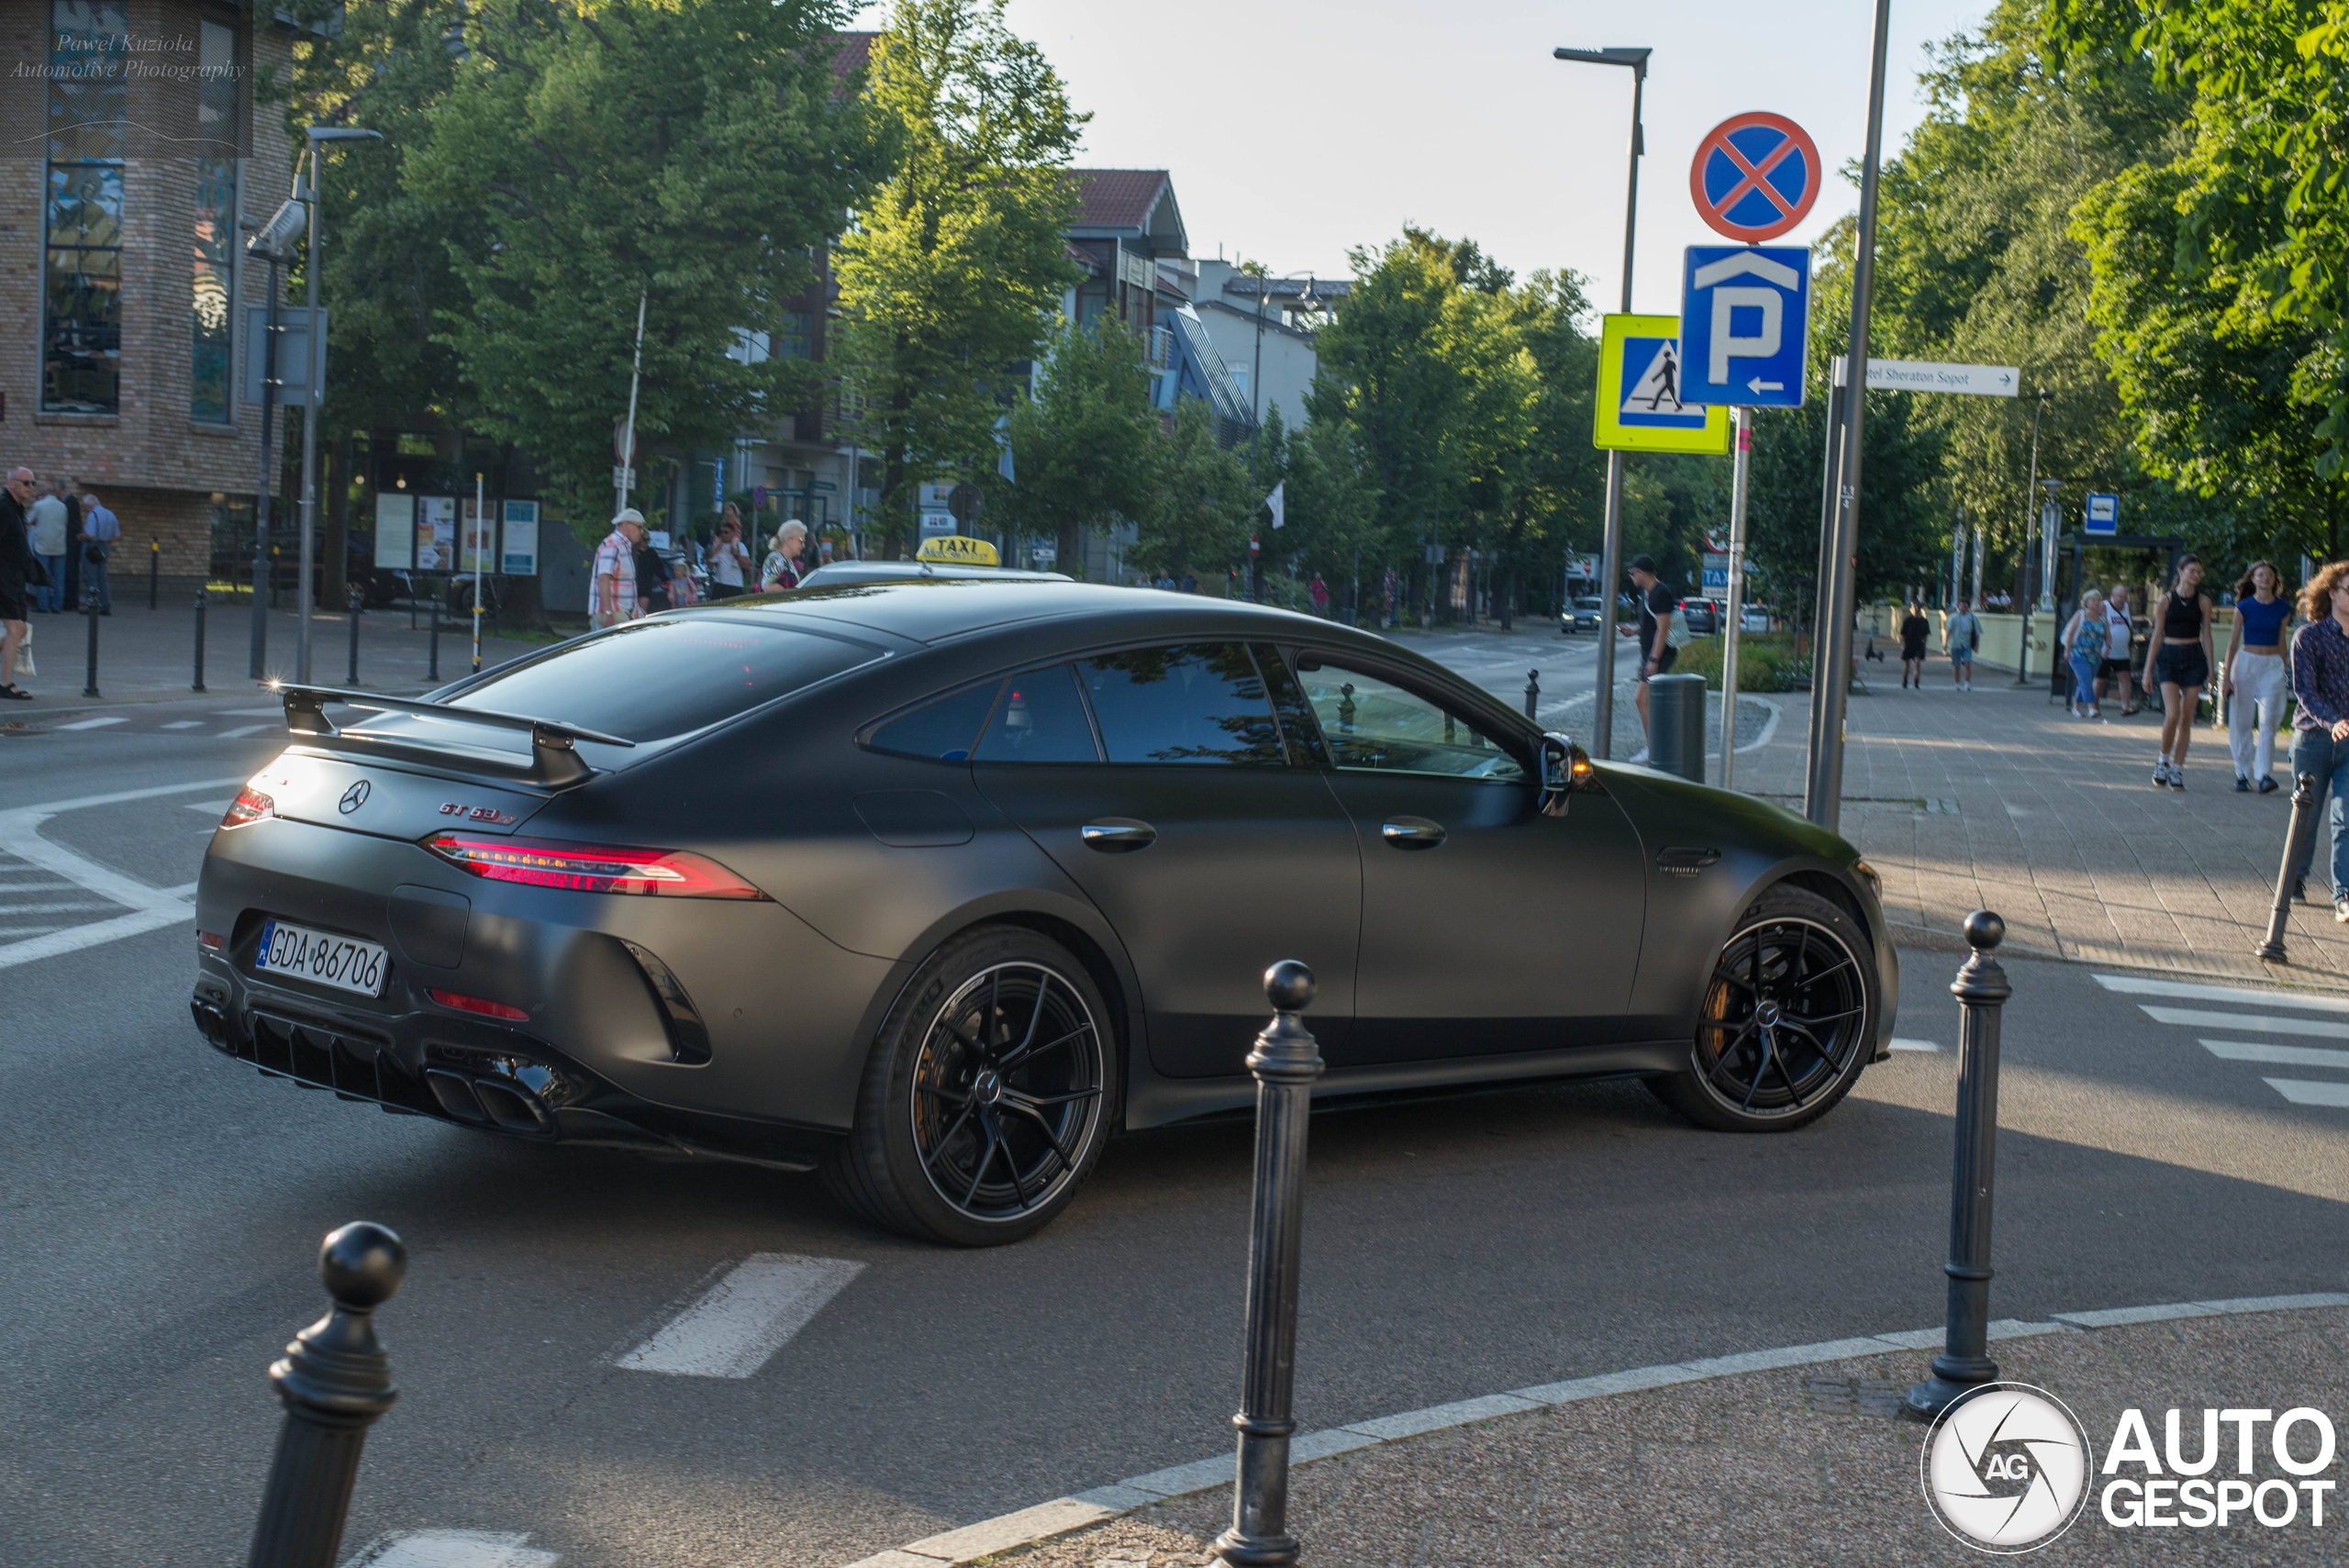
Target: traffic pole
[(90, 614), (1532, 692), (2296, 849), (432, 666), (198, 684), (1965, 1363), (154, 574), (1736, 596), (355, 597)]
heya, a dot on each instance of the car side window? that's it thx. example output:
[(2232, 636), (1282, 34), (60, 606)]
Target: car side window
[(944, 729), (1039, 719), (1193, 703), (1373, 725)]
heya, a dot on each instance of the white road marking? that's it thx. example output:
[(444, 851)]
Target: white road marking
[(95, 723), (2260, 1023), (2282, 1055), (453, 1549), (745, 1317), (1901, 1044), (184, 724), (2184, 991), (80, 908), (243, 731), (2305, 1092), (151, 909)]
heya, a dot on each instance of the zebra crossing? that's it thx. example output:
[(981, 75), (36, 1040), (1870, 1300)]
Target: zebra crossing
[(2296, 1016)]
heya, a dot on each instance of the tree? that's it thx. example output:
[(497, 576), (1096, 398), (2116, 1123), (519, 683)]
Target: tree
[(693, 154), (1206, 502), (949, 272), (1086, 448)]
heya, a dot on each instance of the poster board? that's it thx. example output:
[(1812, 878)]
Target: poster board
[(477, 540), (436, 533), (519, 551), (395, 533)]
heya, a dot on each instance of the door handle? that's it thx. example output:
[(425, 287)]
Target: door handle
[(1118, 835), (1412, 833)]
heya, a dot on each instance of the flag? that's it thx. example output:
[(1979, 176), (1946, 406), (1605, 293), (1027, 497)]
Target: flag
[(1275, 501)]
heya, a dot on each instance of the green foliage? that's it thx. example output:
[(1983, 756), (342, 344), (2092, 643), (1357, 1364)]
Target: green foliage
[(950, 271), (1206, 502), (695, 153), (1767, 662), (1085, 447)]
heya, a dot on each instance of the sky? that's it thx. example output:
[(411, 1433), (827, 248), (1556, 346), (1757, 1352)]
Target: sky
[(1300, 129)]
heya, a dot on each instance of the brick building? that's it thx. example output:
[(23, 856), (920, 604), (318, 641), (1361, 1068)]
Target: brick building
[(129, 148)]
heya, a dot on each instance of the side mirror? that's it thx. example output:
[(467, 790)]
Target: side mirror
[(1565, 768)]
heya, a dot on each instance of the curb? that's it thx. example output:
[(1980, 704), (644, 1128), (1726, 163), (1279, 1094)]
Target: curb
[(1027, 1525)]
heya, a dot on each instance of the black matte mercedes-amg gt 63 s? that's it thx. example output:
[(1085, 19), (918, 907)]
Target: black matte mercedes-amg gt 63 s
[(938, 884)]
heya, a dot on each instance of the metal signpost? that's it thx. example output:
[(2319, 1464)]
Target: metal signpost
[(1745, 317)]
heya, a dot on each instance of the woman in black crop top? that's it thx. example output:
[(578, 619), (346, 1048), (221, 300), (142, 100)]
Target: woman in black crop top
[(2178, 662)]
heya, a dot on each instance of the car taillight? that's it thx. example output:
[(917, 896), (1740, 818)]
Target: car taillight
[(251, 805), (591, 868), (481, 1005)]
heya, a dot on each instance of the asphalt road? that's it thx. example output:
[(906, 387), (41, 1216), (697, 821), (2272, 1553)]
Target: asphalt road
[(163, 1206)]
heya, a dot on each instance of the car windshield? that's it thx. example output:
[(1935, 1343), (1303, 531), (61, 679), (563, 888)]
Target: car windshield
[(1589, 604), (666, 676)]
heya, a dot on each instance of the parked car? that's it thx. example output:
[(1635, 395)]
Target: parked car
[(936, 885), (1756, 617), (1582, 615), (1703, 617)]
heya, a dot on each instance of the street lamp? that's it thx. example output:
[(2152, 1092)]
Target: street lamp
[(319, 136), (272, 243), (1611, 564), (2022, 654)]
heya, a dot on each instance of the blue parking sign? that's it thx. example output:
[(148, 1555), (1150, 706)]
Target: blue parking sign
[(1745, 324)]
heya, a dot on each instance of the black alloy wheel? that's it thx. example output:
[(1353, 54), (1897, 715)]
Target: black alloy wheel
[(988, 1096), (1788, 1020)]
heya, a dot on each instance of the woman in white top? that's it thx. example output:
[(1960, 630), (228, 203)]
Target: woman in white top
[(729, 558), (783, 568)]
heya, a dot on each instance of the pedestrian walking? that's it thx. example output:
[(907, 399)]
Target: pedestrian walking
[(729, 558), (2085, 637), (2118, 638), (1320, 597), (614, 573), (1657, 651), (1914, 630), (2255, 679), (101, 532), (45, 522), (72, 597), (1961, 635), (17, 566), (652, 594), (2320, 723), (782, 571), (2177, 664)]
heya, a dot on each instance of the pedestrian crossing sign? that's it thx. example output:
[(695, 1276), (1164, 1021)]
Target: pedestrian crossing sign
[(1639, 407)]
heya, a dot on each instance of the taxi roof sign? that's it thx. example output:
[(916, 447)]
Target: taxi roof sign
[(959, 549)]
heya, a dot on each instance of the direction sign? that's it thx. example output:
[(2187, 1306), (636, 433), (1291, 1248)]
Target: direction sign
[(1755, 176), (2103, 513), (1716, 572), (1933, 376), (1745, 319), (1639, 407)]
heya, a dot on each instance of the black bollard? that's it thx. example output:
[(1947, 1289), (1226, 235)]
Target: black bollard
[(1285, 1062), (199, 685), (432, 671), (90, 614), (1965, 1363), (334, 1382), (154, 573), (1532, 691), (1676, 725), (2296, 849), (355, 601)]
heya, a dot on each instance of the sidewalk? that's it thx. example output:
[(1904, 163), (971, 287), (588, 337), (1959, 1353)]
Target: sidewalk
[(1999, 799), (1803, 1465), (149, 655)]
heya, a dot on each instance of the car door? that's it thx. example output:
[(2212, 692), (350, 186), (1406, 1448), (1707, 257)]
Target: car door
[(1488, 926), (1159, 780)]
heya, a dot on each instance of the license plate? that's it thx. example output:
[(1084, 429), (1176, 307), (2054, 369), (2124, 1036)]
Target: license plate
[(322, 958)]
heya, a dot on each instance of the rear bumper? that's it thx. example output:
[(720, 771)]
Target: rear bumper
[(649, 1021)]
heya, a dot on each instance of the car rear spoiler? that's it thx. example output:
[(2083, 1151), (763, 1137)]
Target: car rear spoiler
[(554, 760)]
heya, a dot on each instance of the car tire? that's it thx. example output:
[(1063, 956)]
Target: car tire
[(1788, 1019), (988, 1096)]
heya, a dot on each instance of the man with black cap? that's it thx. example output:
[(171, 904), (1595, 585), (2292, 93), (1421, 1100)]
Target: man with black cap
[(1656, 653)]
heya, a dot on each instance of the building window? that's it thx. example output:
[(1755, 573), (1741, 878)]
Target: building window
[(82, 268), (797, 338), (216, 209)]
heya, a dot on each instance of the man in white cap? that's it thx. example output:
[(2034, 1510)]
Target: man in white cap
[(613, 599)]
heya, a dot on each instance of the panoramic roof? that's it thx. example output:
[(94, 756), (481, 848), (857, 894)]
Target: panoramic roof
[(932, 609)]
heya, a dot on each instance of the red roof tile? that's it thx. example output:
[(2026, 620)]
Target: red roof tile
[(1117, 198), (854, 54)]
